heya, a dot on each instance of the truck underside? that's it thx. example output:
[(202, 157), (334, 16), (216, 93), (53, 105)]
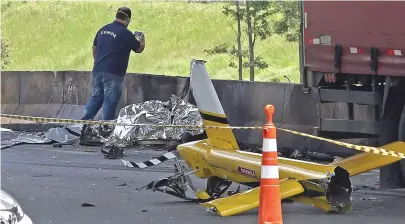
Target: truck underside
[(373, 109), (354, 60)]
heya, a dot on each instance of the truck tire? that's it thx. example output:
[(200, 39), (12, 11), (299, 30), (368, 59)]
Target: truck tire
[(401, 137)]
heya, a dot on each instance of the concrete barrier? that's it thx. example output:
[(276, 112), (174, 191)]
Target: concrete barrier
[(10, 94), (76, 93), (40, 94), (244, 104), (63, 94), (144, 87)]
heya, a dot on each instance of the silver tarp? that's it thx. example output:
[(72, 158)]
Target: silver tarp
[(54, 135), (175, 111)]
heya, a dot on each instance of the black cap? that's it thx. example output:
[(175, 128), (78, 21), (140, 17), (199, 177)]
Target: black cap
[(125, 10)]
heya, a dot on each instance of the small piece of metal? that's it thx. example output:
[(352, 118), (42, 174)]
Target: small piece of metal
[(178, 185)]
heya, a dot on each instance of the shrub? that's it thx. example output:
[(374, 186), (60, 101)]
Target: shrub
[(5, 52)]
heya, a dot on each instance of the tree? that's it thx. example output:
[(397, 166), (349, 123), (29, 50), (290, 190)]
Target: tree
[(226, 49), (257, 19), (289, 23), (255, 16), (238, 36)]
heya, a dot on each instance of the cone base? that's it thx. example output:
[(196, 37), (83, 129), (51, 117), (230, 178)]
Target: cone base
[(270, 204)]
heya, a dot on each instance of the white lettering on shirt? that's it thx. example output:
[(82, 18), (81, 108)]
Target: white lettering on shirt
[(108, 33)]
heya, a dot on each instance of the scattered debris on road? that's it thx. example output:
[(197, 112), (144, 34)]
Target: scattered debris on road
[(88, 205), (369, 199), (44, 175), (114, 153), (107, 178)]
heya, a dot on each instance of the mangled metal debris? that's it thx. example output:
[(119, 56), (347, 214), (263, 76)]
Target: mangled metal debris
[(62, 135), (306, 155)]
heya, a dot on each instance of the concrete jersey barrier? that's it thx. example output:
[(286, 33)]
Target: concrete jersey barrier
[(63, 94)]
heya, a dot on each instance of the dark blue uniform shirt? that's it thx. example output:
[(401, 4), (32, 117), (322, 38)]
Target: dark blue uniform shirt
[(114, 43)]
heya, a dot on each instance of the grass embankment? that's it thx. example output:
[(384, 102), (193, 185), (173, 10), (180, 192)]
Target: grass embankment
[(58, 36)]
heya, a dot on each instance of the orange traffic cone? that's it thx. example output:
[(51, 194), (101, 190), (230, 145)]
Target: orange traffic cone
[(270, 200)]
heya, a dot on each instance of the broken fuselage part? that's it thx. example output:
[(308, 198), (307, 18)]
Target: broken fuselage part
[(307, 182)]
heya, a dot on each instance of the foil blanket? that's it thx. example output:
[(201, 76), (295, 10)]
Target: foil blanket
[(173, 112)]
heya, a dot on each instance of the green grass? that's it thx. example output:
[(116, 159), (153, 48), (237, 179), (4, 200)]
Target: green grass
[(58, 36)]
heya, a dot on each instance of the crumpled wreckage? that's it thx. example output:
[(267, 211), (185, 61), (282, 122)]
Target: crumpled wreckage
[(220, 160)]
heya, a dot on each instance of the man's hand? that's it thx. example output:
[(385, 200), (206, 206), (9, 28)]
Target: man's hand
[(141, 37), (142, 47)]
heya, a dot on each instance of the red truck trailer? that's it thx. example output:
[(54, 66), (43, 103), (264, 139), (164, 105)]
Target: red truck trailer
[(352, 53)]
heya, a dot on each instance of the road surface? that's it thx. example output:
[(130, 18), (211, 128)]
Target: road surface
[(52, 183)]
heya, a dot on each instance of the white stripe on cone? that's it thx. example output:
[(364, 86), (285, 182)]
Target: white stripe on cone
[(269, 172), (269, 145)]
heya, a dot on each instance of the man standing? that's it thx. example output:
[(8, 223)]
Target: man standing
[(112, 46)]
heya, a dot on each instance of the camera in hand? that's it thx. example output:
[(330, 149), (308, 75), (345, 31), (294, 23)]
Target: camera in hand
[(139, 35)]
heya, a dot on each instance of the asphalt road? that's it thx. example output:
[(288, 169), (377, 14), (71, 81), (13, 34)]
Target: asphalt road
[(52, 183)]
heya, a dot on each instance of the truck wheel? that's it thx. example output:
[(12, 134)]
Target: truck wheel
[(401, 137)]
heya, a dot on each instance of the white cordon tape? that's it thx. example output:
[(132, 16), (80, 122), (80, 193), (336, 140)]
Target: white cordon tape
[(91, 122), (368, 149), (149, 163)]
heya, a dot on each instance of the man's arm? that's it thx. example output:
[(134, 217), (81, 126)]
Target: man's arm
[(136, 45), (141, 46)]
